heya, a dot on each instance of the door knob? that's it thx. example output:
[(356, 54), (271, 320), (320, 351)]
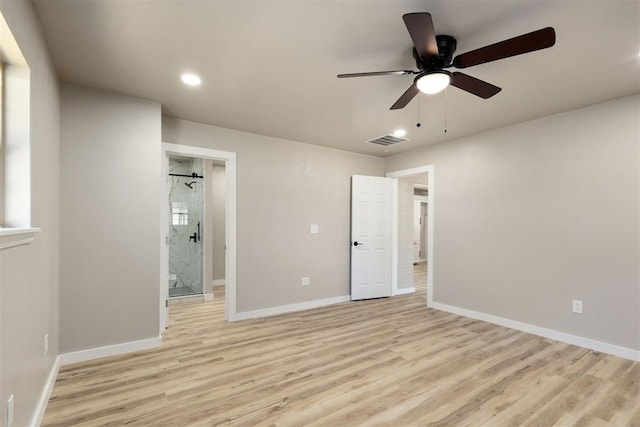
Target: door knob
[(356, 244)]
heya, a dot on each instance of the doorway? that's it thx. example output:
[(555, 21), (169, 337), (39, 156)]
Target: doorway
[(420, 204), (413, 188), (182, 213), (186, 193)]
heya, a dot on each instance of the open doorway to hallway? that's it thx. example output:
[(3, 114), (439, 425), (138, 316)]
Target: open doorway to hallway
[(413, 223), (412, 232), (420, 231)]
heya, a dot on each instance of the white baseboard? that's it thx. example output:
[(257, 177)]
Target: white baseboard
[(38, 414), (208, 297), (217, 282), (603, 347), (402, 291), (290, 308), (109, 350)]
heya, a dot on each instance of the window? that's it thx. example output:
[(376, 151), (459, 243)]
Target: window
[(1, 143), (179, 213), (15, 143)]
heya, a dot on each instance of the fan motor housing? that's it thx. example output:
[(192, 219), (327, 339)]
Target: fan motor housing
[(446, 48)]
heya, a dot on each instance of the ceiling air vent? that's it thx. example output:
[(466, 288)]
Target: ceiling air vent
[(387, 140)]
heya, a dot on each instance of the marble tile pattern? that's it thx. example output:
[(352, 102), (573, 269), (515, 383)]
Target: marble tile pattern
[(186, 210)]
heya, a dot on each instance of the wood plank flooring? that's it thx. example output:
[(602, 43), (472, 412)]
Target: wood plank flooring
[(420, 277), (387, 361)]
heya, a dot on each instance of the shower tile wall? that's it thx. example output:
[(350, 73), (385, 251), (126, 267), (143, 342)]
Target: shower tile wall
[(186, 209)]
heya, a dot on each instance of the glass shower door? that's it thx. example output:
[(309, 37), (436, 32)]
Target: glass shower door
[(186, 213)]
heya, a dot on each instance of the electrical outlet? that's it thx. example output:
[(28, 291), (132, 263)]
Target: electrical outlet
[(46, 344), (315, 229), (10, 411), (576, 306), (305, 281)]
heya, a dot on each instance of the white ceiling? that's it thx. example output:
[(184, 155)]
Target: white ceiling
[(270, 66)]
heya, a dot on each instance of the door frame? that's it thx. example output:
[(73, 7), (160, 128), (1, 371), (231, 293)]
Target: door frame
[(430, 170), (229, 159)]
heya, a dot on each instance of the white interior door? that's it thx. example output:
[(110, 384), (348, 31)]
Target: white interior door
[(371, 227)]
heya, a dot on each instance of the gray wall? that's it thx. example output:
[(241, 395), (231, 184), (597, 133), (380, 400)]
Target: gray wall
[(282, 188), (217, 209), (531, 216), (208, 228), (29, 273), (110, 222), (214, 225)]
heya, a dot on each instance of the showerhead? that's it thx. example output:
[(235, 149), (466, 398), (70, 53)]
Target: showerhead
[(190, 184)]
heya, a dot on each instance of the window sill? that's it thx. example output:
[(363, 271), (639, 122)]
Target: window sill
[(10, 237)]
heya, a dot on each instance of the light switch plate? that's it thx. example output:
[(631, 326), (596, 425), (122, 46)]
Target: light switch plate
[(576, 306), (315, 229)]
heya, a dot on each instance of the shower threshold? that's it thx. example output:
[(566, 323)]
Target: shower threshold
[(182, 291)]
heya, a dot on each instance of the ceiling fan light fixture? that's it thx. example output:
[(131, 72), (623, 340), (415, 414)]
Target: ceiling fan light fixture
[(433, 82)]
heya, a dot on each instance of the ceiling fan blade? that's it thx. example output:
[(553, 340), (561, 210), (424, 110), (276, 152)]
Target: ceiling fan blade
[(406, 97), (376, 73), (536, 40), (421, 30), (474, 86)]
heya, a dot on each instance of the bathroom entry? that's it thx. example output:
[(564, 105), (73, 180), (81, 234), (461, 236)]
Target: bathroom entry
[(216, 267), (186, 227)]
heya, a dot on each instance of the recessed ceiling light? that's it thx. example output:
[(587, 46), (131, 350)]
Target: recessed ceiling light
[(399, 133), (191, 79)]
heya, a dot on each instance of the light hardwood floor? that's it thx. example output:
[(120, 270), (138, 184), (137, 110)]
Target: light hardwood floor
[(420, 277), (387, 361)]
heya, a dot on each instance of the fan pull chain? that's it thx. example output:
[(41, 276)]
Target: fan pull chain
[(418, 124), (446, 105)]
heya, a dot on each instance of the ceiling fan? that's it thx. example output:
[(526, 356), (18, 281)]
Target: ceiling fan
[(434, 53)]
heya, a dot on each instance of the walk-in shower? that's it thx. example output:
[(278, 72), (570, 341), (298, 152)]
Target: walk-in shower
[(186, 221)]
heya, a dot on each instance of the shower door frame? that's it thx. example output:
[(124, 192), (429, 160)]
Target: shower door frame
[(229, 159)]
